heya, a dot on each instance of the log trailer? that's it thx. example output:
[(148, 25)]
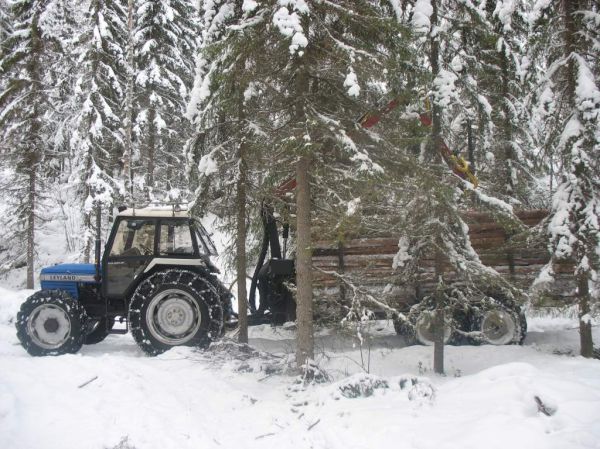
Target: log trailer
[(367, 263)]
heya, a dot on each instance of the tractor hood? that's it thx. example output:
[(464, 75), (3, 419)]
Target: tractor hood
[(74, 272)]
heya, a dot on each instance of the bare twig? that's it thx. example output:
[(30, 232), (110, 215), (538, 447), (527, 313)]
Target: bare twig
[(264, 436), (88, 382), (542, 407), (314, 424)]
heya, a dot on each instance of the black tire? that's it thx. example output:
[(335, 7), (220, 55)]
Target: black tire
[(504, 328), (523, 326), (411, 329), (406, 330), (98, 330), (499, 302), (51, 322), (173, 301)]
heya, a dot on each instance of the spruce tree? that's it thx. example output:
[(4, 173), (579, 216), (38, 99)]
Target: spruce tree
[(334, 61), (317, 67), (570, 96), (432, 225), (225, 108), (29, 63), (97, 138), (165, 45)]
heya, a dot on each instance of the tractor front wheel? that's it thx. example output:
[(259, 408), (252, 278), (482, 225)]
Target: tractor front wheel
[(175, 308), (51, 322)]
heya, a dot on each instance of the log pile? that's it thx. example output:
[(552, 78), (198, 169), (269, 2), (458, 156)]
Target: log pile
[(368, 263)]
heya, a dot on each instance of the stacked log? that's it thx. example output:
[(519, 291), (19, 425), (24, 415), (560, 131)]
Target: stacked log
[(368, 263)]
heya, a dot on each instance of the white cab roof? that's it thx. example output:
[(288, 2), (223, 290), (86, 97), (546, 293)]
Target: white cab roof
[(164, 212)]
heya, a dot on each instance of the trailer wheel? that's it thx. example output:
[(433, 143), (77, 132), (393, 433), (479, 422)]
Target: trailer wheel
[(175, 308), (500, 326), (406, 330), (98, 330), (424, 328), (523, 326), (51, 322)]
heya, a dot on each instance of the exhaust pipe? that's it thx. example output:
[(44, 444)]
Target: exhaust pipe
[(98, 241)]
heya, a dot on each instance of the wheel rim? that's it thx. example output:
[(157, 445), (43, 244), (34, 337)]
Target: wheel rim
[(424, 329), (49, 326), (498, 327), (173, 317)]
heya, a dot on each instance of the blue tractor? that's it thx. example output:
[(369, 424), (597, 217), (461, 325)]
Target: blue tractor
[(155, 276)]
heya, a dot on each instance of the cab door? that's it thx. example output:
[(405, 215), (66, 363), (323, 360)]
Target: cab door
[(128, 252)]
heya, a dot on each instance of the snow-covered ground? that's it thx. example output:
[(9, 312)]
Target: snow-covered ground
[(229, 398)]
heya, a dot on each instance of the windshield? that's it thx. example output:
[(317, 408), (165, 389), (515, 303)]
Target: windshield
[(204, 239)]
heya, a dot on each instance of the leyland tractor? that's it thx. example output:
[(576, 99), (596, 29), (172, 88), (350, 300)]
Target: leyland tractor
[(155, 277)]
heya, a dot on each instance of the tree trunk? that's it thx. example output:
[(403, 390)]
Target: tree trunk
[(304, 295), (438, 344), (570, 8), (32, 197), (151, 150), (128, 153), (241, 245), (87, 226), (35, 148), (507, 134), (439, 316), (585, 323), (438, 347)]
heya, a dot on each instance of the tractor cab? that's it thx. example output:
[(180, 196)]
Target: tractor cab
[(143, 240), (155, 276)]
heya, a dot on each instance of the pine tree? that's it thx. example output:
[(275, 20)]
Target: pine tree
[(29, 60), (165, 45), (570, 95)]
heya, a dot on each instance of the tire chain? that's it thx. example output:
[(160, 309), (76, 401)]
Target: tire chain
[(195, 282), (77, 316)]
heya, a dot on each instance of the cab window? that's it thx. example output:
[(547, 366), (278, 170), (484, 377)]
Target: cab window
[(175, 238), (134, 237), (205, 243)]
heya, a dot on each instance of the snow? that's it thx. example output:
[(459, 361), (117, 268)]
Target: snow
[(588, 94), (457, 63), (353, 206), (189, 399), (207, 165), (505, 10), (249, 5), (288, 23), (421, 15), (445, 88), (403, 254), (351, 82)]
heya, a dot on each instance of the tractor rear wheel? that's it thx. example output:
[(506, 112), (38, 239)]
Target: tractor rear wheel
[(98, 330), (51, 322), (174, 308)]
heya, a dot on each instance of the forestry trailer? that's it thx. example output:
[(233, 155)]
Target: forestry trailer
[(365, 267)]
